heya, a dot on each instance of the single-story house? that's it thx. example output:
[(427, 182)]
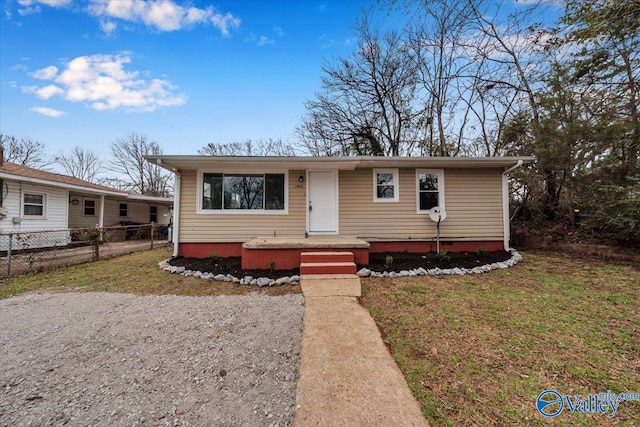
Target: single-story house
[(34, 200), (268, 210)]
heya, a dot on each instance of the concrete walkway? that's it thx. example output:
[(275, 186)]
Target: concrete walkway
[(347, 376)]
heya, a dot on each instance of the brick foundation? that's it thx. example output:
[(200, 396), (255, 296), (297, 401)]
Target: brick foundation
[(286, 259), (203, 250), (418, 247), (289, 258)]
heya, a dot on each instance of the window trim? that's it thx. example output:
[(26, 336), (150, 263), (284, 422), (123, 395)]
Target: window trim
[(200, 181), (441, 188), (95, 207), (156, 214), (120, 210), (44, 204), (396, 185)]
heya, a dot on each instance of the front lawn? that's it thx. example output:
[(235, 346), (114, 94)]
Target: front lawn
[(137, 273), (478, 349)]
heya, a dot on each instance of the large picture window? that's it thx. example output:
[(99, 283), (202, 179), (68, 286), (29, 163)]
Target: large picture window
[(241, 192), (33, 204), (430, 189)]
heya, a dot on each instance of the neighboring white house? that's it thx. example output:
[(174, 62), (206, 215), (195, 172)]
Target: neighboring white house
[(33, 200)]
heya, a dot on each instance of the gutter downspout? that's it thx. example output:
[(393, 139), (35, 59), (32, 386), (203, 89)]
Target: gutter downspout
[(176, 212), (506, 229)]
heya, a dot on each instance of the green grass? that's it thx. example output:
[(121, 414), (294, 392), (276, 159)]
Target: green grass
[(477, 350), (137, 273)]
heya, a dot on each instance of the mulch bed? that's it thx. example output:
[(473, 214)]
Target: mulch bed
[(409, 261), (231, 265), (377, 261)]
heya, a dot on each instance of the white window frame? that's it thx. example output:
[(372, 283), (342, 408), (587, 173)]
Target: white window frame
[(120, 210), (95, 207), (441, 187), (44, 204), (200, 180), (157, 213), (396, 186)]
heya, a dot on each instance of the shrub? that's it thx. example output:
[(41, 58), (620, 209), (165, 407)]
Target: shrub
[(388, 262)]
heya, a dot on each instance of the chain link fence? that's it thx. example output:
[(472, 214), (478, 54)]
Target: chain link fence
[(35, 251)]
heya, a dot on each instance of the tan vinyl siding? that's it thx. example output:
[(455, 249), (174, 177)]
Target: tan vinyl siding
[(196, 227), (473, 203)]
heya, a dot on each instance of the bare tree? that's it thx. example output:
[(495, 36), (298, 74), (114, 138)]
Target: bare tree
[(25, 152), (368, 102), (80, 163), (439, 34), (128, 159), (269, 147), (115, 183)]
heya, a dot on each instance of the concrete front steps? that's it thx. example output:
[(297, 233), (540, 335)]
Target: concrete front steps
[(327, 263)]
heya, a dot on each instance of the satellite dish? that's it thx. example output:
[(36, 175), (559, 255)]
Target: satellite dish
[(437, 214)]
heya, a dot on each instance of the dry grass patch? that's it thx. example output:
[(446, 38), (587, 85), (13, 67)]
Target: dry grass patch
[(137, 273), (478, 349)]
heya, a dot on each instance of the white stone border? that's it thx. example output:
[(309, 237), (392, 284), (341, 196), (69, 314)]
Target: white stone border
[(363, 272), (246, 280), (515, 258)]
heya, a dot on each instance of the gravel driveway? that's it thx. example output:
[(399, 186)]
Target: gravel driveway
[(105, 359)]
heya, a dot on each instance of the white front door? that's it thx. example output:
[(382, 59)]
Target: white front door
[(323, 201)]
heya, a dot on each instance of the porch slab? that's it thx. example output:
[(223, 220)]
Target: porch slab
[(311, 242)]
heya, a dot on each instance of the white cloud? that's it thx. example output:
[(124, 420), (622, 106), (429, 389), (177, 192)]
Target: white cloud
[(44, 92), (103, 83), (278, 30), (328, 42), (50, 3), (263, 41), (108, 27), (46, 73), (48, 111), (163, 15), (33, 6)]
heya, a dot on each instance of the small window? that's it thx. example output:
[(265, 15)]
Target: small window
[(430, 189), (153, 214), (124, 210), (89, 207), (385, 185), (33, 204)]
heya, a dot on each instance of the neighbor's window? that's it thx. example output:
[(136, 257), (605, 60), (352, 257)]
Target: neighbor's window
[(124, 209), (385, 185), (33, 204), (243, 191), (153, 214), (430, 189), (89, 207)]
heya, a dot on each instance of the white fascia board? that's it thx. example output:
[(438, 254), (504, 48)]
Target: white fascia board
[(62, 185)]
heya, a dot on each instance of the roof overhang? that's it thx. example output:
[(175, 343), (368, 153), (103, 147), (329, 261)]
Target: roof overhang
[(153, 199), (70, 187), (179, 162)]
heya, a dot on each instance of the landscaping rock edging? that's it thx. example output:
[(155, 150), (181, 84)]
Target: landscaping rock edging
[(420, 271), (363, 272), (246, 280)]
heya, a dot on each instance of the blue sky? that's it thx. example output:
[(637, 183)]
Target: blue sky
[(83, 73)]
